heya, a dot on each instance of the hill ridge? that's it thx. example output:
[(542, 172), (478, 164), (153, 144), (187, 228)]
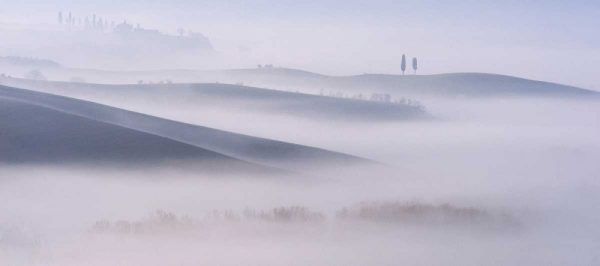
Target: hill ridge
[(239, 146)]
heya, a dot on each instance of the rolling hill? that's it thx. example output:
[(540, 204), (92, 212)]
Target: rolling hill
[(63, 128), (438, 85), (464, 84), (36, 134), (233, 97)]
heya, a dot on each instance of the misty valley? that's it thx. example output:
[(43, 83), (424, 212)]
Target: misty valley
[(127, 144)]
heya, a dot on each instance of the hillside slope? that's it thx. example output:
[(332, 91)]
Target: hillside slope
[(252, 149), (444, 85), (33, 134), (233, 97), (463, 84)]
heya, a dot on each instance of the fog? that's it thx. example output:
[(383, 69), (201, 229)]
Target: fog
[(533, 162), (285, 133)]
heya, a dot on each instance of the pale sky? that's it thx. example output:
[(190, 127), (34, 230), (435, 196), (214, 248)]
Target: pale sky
[(547, 40)]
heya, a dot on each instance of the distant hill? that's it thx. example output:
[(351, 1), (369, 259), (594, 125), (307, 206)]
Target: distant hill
[(233, 97), (464, 84), (28, 62), (440, 85), (62, 128), (445, 85), (120, 46)]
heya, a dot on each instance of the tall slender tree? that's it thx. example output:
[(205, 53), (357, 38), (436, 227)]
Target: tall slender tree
[(414, 64), (403, 66), (60, 18)]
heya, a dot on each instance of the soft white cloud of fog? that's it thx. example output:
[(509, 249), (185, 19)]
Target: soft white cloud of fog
[(535, 159)]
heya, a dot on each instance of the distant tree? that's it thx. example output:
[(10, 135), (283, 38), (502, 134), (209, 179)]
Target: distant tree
[(414, 64), (259, 66), (60, 18), (70, 19), (403, 66), (181, 31)]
